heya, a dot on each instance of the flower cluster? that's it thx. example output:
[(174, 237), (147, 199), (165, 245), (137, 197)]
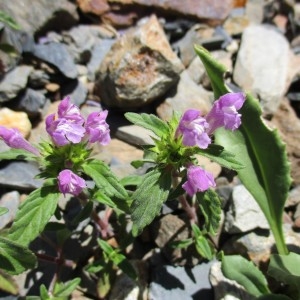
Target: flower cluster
[(195, 130), (68, 127)]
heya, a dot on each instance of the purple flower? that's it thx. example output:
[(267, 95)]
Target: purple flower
[(14, 139), (193, 129), (63, 131), (69, 111), (97, 128), (198, 180), (224, 112), (68, 182)]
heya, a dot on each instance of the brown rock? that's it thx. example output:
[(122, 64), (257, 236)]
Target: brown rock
[(211, 10), (139, 68), (13, 119), (288, 125), (97, 7)]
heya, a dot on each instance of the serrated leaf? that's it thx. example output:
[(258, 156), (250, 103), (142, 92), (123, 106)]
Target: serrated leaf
[(107, 182), (219, 155), (148, 121), (132, 180), (7, 284), (3, 210), (34, 214), (210, 205), (266, 172), (44, 292), (204, 248), (148, 199), (15, 258), (244, 272), (66, 289), (17, 154), (285, 268)]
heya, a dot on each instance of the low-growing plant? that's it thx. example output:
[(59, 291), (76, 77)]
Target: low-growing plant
[(232, 134)]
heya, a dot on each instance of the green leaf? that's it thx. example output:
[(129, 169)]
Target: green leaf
[(118, 259), (266, 172), (210, 205), (148, 199), (17, 154), (65, 289), (15, 258), (7, 284), (148, 121), (181, 244), (132, 180), (3, 210), (286, 268), (274, 297), (244, 272), (33, 215), (107, 182), (9, 49), (219, 155), (44, 293), (5, 18)]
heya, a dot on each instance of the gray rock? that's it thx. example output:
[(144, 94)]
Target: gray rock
[(11, 201), (14, 82), (139, 68), (187, 95), (20, 175), (262, 65), (225, 289), (178, 283), (57, 55), (33, 103), (38, 79), (244, 214), (76, 90), (34, 15), (100, 49)]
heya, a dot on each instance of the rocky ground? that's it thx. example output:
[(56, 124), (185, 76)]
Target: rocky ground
[(136, 55)]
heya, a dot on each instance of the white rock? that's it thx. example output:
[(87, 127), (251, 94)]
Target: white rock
[(244, 214), (262, 65)]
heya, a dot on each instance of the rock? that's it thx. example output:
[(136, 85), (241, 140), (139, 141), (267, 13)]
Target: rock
[(33, 103), (209, 10), (14, 82), (11, 201), (46, 14), (20, 175), (134, 135), (226, 289), (187, 95), (259, 244), (13, 119), (170, 228), (262, 65), (57, 55), (178, 283), (97, 7), (100, 49), (288, 125), (139, 68), (255, 11), (76, 90), (244, 214), (293, 197), (235, 25), (38, 79)]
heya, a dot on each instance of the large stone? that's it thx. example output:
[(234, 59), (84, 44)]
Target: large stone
[(188, 95), (34, 15), (211, 10), (97, 7), (14, 82), (262, 65), (139, 68), (244, 214)]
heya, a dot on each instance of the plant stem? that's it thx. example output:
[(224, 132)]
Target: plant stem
[(279, 238)]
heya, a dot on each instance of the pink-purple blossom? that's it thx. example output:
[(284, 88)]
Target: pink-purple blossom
[(193, 129), (198, 180), (225, 112), (97, 128), (69, 111), (64, 131), (70, 183), (14, 139)]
